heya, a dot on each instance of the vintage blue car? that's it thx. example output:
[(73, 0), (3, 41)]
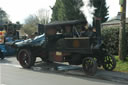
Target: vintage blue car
[(6, 50), (8, 33), (3, 51)]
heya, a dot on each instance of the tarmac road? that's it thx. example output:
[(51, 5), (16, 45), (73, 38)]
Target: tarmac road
[(11, 73)]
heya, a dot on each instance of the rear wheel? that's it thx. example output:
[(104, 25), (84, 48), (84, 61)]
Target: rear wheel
[(109, 63), (25, 58), (89, 66)]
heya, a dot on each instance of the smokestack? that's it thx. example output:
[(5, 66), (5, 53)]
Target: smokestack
[(97, 25)]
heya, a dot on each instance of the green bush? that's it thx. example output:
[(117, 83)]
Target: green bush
[(110, 36)]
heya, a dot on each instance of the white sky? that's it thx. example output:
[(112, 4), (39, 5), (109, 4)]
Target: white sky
[(18, 10)]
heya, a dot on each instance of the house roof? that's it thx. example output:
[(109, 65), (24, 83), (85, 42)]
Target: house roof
[(114, 22)]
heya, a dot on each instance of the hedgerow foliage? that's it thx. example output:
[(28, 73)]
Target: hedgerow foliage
[(110, 37)]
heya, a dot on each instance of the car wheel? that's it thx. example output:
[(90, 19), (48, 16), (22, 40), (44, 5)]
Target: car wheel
[(25, 58), (109, 63), (89, 66)]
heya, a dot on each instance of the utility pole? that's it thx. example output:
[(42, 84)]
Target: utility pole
[(122, 34)]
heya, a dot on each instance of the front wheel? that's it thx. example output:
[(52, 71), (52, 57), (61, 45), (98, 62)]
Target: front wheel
[(25, 58), (109, 63), (89, 66)]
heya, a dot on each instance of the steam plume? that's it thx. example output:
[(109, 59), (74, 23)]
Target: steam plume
[(88, 9)]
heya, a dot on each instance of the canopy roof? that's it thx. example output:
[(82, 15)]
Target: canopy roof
[(64, 23)]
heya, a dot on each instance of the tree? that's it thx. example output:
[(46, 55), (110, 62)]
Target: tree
[(31, 23), (58, 11), (67, 10), (3, 16), (43, 16), (101, 9)]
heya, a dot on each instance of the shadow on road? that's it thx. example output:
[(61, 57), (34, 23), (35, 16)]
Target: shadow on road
[(5, 61), (63, 69), (77, 72), (9, 60)]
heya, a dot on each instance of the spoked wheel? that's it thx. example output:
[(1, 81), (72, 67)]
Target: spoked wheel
[(89, 66), (109, 63), (26, 60)]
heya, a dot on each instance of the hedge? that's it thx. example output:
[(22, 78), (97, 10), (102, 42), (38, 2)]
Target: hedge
[(110, 37)]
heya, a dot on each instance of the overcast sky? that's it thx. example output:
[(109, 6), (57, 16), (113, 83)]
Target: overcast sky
[(18, 10)]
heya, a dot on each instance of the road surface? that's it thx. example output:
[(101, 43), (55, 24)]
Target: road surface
[(11, 73)]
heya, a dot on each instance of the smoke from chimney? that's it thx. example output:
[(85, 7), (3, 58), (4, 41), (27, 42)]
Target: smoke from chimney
[(88, 9)]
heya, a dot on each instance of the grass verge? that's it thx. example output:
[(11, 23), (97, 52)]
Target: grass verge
[(121, 66)]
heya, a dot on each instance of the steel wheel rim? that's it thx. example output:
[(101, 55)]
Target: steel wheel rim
[(24, 58), (88, 64), (108, 62)]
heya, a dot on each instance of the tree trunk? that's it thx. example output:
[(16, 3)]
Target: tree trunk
[(122, 34)]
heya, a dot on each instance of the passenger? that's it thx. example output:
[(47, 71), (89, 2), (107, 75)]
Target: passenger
[(86, 31), (89, 32), (94, 32)]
